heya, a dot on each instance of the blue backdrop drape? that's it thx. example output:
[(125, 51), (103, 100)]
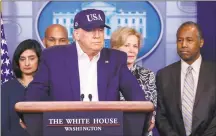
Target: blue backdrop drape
[(206, 18)]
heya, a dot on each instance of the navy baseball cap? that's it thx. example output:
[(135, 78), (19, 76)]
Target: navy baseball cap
[(90, 19)]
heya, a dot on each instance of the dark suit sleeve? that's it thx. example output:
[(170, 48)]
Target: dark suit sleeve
[(38, 88), (162, 123), (211, 130), (129, 85)]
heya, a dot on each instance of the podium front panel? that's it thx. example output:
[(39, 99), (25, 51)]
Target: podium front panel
[(88, 123), (128, 123)]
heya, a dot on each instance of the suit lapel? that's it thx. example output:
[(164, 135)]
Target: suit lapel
[(177, 80), (201, 81), (72, 64), (177, 88), (203, 75), (102, 74)]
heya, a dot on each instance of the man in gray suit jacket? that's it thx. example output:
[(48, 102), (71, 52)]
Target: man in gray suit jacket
[(187, 89)]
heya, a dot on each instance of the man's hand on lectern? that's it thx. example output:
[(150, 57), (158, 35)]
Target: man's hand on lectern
[(22, 124), (151, 124)]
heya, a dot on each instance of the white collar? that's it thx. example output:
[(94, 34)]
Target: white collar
[(195, 65), (80, 52)]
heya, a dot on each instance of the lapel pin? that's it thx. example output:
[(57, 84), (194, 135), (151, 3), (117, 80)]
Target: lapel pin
[(106, 61)]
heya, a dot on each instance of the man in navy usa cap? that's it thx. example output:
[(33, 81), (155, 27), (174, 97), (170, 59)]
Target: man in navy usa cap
[(84, 70)]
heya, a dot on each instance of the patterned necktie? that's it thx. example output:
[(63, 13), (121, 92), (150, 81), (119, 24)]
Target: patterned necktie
[(188, 100)]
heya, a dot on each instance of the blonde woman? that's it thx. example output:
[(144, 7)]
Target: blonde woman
[(128, 40)]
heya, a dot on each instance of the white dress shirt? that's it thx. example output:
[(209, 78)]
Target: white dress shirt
[(87, 74), (196, 69)]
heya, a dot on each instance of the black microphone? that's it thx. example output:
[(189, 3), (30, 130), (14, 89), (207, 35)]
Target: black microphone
[(90, 97), (82, 97)]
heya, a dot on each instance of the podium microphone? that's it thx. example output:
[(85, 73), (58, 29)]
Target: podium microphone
[(82, 97), (90, 97)]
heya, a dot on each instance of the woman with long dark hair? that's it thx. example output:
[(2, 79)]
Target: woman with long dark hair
[(25, 63)]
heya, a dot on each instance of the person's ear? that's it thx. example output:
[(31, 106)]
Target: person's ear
[(201, 43), (76, 35), (43, 41)]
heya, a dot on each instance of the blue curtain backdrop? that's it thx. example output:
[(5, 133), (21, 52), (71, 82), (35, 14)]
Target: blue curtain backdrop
[(206, 18)]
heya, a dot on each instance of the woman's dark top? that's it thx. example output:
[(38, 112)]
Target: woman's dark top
[(11, 93)]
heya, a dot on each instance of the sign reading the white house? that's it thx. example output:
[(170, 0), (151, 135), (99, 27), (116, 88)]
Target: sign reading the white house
[(83, 123)]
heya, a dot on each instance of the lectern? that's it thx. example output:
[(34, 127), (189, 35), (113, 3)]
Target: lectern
[(104, 118)]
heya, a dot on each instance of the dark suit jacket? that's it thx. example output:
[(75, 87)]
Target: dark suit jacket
[(169, 120), (58, 75)]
